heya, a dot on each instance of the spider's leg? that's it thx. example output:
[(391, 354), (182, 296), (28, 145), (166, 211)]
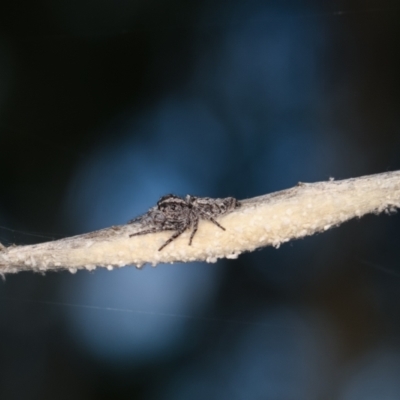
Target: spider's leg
[(216, 223), (172, 238), (196, 224), (145, 232)]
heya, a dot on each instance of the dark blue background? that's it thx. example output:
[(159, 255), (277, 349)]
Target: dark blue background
[(105, 106)]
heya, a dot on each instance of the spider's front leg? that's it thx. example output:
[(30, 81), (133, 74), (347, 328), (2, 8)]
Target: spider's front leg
[(145, 232), (195, 226), (155, 230), (172, 238), (215, 222)]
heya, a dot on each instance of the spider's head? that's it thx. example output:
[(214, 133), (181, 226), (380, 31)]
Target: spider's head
[(171, 203)]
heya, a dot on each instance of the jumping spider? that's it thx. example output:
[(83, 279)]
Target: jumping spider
[(174, 213)]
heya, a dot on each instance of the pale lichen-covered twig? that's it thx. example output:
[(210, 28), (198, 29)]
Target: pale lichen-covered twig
[(266, 220)]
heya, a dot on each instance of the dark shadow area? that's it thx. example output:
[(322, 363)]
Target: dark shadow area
[(106, 106)]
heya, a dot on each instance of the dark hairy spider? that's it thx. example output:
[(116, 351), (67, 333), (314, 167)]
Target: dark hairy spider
[(174, 213)]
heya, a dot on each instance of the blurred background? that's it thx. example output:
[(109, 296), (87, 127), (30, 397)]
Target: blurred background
[(105, 106)]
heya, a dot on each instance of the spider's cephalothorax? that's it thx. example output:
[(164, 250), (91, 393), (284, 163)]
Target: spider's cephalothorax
[(174, 213)]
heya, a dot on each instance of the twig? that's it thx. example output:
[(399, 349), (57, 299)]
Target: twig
[(266, 220)]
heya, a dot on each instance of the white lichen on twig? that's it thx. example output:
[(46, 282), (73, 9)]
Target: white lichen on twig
[(266, 220)]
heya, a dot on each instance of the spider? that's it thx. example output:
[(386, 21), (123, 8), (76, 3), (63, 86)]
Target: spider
[(174, 213)]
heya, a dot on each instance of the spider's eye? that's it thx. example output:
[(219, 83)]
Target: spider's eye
[(172, 208)]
